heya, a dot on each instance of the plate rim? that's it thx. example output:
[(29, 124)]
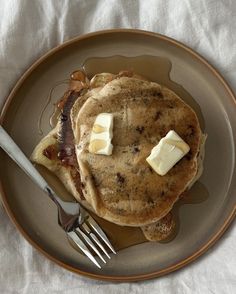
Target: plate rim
[(119, 278)]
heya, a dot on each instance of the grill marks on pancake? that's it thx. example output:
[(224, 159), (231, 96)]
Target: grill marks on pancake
[(146, 101), (139, 198)]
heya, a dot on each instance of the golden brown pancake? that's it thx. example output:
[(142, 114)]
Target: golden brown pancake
[(161, 229), (123, 188)]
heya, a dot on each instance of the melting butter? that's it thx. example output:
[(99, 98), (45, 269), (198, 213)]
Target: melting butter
[(97, 145), (98, 129), (178, 144), (167, 153), (101, 134)]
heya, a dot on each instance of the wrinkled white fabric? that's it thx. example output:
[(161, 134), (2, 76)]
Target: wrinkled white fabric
[(28, 29)]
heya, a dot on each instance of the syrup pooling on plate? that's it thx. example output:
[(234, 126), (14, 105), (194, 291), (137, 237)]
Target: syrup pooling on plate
[(124, 237), (77, 79), (56, 112), (161, 68)]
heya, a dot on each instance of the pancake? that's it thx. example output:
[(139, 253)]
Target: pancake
[(161, 229), (123, 188)]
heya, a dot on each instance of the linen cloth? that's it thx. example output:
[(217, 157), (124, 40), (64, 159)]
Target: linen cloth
[(28, 29)]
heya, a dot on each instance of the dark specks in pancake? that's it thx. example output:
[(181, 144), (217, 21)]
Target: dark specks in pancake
[(150, 169), (120, 179), (135, 149), (122, 188), (157, 115), (95, 180), (151, 111), (140, 129)]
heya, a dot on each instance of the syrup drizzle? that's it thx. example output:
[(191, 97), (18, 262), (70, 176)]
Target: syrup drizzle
[(56, 111)]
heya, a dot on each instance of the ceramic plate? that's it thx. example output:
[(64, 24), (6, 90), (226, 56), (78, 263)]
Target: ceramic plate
[(200, 224)]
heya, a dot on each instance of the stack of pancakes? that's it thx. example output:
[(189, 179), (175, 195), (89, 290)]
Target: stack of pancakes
[(122, 188)]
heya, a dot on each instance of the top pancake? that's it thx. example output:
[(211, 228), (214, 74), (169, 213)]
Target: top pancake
[(123, 188)]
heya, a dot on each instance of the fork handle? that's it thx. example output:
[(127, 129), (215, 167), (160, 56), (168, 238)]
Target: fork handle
[(10, 147)]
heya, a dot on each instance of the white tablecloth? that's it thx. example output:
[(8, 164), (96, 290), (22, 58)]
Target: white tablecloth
[(28, 29)]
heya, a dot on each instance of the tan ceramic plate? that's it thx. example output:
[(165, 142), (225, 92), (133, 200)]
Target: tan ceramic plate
[(201, 224)]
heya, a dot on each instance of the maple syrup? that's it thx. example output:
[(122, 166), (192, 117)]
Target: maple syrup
[(56, 111)]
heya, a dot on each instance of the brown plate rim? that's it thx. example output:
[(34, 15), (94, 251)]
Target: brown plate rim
[(129, 278)]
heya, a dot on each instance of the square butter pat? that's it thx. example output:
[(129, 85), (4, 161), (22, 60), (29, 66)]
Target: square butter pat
[(167, 153), (101, 135)]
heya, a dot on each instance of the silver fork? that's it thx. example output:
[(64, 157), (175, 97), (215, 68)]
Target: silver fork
[(72, 217)]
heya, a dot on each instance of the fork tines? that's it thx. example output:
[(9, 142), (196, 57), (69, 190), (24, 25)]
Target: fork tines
[(89, 234)]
